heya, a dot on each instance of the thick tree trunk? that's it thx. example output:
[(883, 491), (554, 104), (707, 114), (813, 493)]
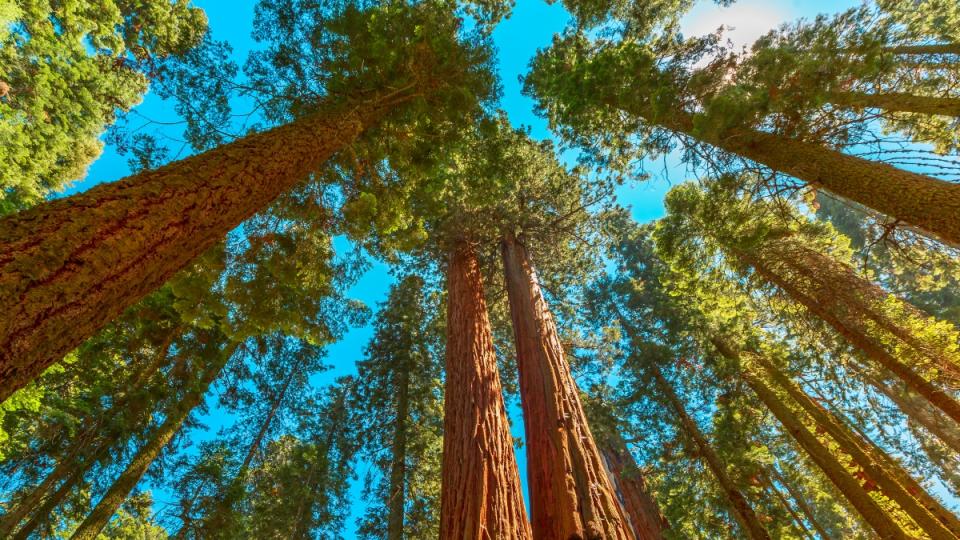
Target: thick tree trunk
[(930, 204), (894, 482), (742, 511), (849, 486), (939, 48), (641, 509), (850, 305), (398, 459), (897, 102), (145, 456), (481, 495), (69, 266), (570, 493)]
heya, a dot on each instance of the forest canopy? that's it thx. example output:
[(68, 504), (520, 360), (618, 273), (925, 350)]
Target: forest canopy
[(395, 269)]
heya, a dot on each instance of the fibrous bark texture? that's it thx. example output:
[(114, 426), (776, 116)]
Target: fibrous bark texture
[(481, 497), (641, 509), (883, 327), (897, 102), (570, 493), (69, 266)]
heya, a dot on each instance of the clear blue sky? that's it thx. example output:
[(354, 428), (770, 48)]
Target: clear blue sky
[(531, 26)]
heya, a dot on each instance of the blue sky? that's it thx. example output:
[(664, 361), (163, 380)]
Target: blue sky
[(531, 26)]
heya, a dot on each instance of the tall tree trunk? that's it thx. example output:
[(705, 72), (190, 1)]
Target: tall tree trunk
[(851, 488), (481, 493), (891, 478), (74, 462), (69, 266), (928, 203), (742, 511), (852, 306), (219, 517), (915, 407), (398, 458), (937, 48), (145, 456), (774, 491), (802, 504), (641, 509), (570, 493), (897, 102)]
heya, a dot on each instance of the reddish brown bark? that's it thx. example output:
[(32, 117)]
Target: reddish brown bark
[(69, 266), (481, 495), (641, 509), (570, 493)]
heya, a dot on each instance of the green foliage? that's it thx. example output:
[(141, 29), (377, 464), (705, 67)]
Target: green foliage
[(66, 70)]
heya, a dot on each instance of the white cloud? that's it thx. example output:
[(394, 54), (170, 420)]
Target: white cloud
[(746, 20)]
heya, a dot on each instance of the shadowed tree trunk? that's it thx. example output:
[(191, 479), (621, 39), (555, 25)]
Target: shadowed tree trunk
[(145, 456), (852, 489), (69, 266), (641, 509), (855, 308), (742, 511), (939, 48), (75, 462), (897, 102), (481, 496), (398, 459), (570, 493)]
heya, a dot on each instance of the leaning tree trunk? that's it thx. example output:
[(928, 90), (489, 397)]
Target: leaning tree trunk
[(928, 203), (145, 456), (742, 511), (937, 48), (915, 407), (855, 308), (641, 509), (897, 102), (801, 501), (396, 502), (481, 493), (894, 482), (570, 493), (69, 266), (851, 488)]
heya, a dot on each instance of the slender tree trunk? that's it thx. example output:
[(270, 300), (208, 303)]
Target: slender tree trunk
[(916, 408), (74, 461), (847, 303), (145, 456), (802, 504), (398, 459), (219, 517), (481, 496), (893, 481), (570, 493), (778, 495), (897, 102), (641, 509), (940, 48), (69, 266), (742, 510), (928, 203), (851, 488)]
